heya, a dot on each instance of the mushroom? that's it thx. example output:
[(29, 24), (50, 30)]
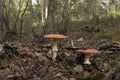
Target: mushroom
[(56, 38), (88, 53)]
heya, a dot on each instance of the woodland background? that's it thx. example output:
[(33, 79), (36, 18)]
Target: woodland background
[(64, 16)]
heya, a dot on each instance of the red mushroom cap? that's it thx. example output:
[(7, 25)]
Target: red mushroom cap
[(88, 51), (55, 36)]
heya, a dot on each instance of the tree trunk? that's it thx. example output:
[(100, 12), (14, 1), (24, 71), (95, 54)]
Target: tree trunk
[(46, 9), (18, 13), (49, 17), (22, 19), (65, 16), (7, 14), (10, 5), (1, 16)]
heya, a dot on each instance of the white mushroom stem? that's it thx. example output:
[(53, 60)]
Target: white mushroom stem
[(54, 48), (87, 59), (54, 55), (54, 45)]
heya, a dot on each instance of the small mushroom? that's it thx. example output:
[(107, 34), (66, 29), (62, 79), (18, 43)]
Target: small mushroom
[(88, 53), (56, 38)]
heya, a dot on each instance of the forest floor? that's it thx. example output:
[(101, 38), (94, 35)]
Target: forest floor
[(30, 59)]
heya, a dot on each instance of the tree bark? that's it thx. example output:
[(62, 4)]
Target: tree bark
[(65, 16), (10, 5), (18, 14), (7, 18), (49, 17), (1, 16), (22, 20), (7, 13)]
